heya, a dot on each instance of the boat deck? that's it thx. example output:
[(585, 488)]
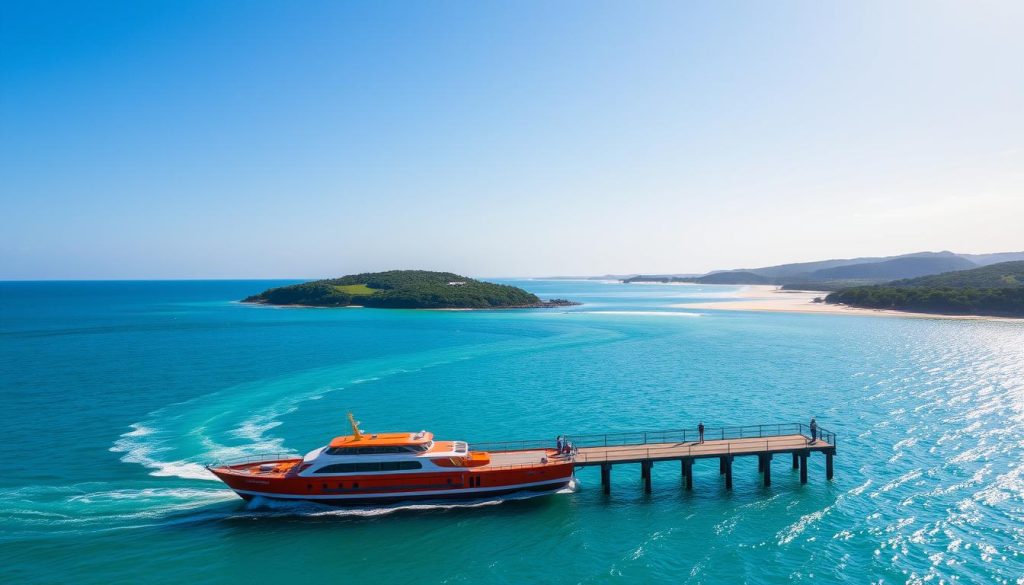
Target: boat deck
[(524, 458)]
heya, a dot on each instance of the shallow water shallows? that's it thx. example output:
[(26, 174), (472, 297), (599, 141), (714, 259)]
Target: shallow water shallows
[(116, 394)]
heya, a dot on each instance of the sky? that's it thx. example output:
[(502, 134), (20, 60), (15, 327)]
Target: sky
[(176, 139)]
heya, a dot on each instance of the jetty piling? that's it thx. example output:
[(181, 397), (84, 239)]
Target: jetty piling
[(765, 463)]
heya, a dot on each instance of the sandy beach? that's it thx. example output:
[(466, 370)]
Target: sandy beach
[(770, 298)]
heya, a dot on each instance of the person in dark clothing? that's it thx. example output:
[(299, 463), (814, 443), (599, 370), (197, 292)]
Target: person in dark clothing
[(558, 442), (700, 432), (814, 430)]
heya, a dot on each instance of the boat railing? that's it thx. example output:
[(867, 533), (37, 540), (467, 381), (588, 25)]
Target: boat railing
[(500, 446), (255, 458), (533, 464)]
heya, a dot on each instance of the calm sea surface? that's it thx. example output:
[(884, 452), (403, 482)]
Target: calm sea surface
[(113, 395)]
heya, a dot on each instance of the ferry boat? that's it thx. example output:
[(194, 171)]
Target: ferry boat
[(391, 467)]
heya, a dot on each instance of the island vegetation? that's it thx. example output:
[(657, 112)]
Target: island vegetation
[(995, 290), (1002, 275), (404, 289)]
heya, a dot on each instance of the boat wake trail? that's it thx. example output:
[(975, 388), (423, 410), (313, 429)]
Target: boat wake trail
[(180, 439), (138, 446)]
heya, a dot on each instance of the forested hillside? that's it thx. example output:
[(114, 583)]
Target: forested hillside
[(404, 289), (997, 289)]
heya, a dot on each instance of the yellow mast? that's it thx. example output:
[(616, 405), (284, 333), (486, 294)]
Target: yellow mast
[(356, 433)]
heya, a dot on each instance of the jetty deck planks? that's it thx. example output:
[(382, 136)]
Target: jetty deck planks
[(693, 449)]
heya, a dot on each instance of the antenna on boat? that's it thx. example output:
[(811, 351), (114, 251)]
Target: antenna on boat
[(356, 433)]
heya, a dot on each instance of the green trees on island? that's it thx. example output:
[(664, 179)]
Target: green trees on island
[(1002, 275), (991, 290), (951, 301), (403, 289), (318, 293)]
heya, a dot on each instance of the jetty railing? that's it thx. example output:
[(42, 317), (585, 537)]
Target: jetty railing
[(692, 449), (662, 437)]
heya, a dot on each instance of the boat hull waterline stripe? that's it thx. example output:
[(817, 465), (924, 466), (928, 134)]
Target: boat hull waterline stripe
[(432, 493)]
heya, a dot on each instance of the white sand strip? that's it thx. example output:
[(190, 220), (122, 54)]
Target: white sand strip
[(770, 298)]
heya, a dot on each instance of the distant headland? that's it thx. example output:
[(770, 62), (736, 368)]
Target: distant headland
[(405, 289), (936, 283)]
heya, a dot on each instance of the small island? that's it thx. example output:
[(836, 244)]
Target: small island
[(405, 289)]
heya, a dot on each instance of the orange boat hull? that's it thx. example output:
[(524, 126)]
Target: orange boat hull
[(249, 481)]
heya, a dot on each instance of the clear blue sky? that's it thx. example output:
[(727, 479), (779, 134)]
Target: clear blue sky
[(301, 139)]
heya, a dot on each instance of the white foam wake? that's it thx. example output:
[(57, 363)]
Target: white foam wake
[(176, 440), (139, 450)]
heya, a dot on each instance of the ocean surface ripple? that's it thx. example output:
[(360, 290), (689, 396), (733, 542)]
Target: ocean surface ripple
[(118, 394)]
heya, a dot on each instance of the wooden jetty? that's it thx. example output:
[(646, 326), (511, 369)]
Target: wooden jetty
[(685, 446)]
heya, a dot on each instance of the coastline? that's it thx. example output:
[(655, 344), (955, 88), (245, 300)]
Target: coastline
[(772, 299)]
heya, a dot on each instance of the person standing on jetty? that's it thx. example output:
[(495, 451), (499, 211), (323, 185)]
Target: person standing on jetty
[(814, 430), (700, 432)]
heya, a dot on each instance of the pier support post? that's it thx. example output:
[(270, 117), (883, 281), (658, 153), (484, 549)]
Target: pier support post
[(727, 464), (688, 473), (828, 466), (645, 473), (606, 477), (803, 468), (721, 466), (766, 468), (796, 461)]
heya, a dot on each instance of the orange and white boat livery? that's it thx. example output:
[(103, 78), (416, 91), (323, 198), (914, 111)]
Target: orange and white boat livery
[(391, 467)]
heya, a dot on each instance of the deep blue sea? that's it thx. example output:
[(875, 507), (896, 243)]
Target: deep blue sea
[(114, 395)]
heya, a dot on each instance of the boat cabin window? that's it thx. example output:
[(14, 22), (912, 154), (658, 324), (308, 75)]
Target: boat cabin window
[(377, 450), (370, 466)]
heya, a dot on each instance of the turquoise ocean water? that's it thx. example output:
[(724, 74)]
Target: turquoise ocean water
[(115, 394)]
